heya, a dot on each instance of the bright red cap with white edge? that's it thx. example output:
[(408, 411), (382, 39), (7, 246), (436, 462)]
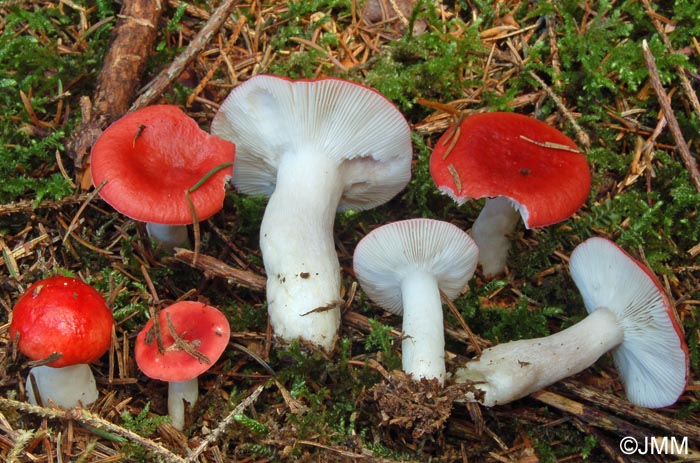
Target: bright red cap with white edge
[(515, 156), (203, 326), (62, 315), (148, 159), (653, 358)]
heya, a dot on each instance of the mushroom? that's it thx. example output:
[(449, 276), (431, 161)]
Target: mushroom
[(193, 335), (403, 267), (314, 147), (67, 324), (522, 166), (629, 315), (157, 166)]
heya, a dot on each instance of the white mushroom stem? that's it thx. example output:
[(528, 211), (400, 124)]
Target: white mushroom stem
[(491, 231), (423, 346), (512, 370), (67, 387), (296, 239), (181, 395), (168, 236)]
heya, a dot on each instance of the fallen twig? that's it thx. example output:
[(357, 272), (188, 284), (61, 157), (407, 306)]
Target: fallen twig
[(213, 267), (623, 407), (154, 88), (591, 415), (690, 162), (224, 424), (581, 136), (27, 206), (687, 87), (85, 417)]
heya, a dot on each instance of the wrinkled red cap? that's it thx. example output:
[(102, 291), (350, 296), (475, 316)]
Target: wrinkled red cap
[(62, 315), (516, 156), (148, 159), (194, 322)]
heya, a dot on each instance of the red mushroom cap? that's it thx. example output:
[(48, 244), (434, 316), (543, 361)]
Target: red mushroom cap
[(193, 322), (62, 315), (515, 156), (148, 159)]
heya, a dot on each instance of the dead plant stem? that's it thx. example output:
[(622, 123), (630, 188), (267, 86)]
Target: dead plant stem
[(674, 127)]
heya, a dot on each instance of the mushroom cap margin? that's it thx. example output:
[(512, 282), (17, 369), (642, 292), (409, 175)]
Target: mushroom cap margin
[(385, 255)]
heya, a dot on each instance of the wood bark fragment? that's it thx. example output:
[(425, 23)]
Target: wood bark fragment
[(591, 415), (213, 267), (120, 77), (620, 406)]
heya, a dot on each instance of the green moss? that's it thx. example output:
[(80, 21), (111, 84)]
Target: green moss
[(31, 63), (431, 65)]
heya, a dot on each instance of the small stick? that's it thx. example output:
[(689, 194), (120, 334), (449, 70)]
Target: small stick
[(85, 417), (581, 136), (665, 102), (28, 206), (154, 88), (591, 415), (214, 267), (224, 424), (621, 406), (465, 327), (76, 218), (685, 83), (186, 346)]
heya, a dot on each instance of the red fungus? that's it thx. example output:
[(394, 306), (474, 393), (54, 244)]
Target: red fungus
[(67, 319), (150, 157), (531, 168), (201, 334)]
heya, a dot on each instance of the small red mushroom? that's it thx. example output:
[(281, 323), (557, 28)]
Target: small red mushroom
[(66, 320), (521, 165), (150, 158), (201, 334)]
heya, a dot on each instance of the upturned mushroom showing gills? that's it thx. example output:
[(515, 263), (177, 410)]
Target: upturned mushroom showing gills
[(65, 323), (193, 336), (629, 315), (156, 165), (314, 147), (403, 266), (522, 166)]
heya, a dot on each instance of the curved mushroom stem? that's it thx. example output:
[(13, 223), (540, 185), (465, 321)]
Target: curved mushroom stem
[(423, 347), (181, 394), (67, 387), (490, 231), (168, 236), (512, 370), (296, 239)]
